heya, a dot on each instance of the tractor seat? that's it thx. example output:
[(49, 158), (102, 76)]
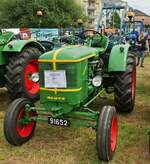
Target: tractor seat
[(100, 43)]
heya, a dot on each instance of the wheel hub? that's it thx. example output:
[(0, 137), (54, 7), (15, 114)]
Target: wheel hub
[(32, 77), (24, 127), (113, 137)]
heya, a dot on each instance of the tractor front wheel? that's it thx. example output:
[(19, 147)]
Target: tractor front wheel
[(106, 134), (18, 124), (22, 74), (125, 85)]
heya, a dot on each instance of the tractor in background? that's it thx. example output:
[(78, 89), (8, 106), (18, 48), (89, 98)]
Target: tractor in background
[(19, 68), (132, 30)]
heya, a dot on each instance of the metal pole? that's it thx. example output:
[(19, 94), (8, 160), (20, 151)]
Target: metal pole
[(100, 16)]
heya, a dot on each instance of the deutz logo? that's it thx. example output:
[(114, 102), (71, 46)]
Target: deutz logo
[(55, 98)]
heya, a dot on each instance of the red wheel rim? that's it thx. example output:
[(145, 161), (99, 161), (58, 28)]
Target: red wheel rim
[(113, 137), (133, 82), (24, 130), (31, 68)]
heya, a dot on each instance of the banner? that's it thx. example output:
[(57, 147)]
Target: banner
[(45, 34)]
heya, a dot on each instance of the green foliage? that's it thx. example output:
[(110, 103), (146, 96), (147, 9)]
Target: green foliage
[(22, 13), (116, 19)]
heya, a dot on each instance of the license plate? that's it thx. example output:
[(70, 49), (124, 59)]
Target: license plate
[(58, 122), (55, 79)]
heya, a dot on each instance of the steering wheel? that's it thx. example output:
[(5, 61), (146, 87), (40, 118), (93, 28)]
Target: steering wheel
[(94, 32)]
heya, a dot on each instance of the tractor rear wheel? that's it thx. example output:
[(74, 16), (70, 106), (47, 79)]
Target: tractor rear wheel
[(17, 128), (124, 87), (106, 134), (22, 74)]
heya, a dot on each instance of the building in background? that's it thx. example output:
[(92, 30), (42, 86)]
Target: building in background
[(114, 6), (139, 16), (92, 9)]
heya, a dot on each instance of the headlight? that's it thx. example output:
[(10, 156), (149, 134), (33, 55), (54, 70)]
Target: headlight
[(97, 81), (35, 77)]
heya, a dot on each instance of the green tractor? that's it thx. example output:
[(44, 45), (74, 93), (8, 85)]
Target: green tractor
[(71, 78), (19, 66)]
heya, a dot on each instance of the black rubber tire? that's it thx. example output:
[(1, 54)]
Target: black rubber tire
[(15, 82), (103, 133), (10, 131), (124, 101)]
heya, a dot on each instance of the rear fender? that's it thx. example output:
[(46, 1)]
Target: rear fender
[(118, 58), (18, 45)]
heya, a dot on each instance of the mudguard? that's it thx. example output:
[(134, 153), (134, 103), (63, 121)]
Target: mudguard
[(18, 45), (118, 58)]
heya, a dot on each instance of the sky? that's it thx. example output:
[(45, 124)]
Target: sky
[(143, 5)]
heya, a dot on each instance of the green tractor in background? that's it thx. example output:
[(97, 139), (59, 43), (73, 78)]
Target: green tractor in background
[(19, 66), (71, 78)]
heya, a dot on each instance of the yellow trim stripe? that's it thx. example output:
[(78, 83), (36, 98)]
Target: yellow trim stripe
[(54, 58), (60, 90), (57, 53), (66, 61), (54, 63)]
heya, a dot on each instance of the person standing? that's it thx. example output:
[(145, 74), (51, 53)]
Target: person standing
[(148, 37), (142, 49)]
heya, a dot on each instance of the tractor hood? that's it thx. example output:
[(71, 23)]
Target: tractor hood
[(69, 53), (70, 64)]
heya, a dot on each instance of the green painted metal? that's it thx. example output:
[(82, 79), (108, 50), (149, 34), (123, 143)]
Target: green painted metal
[(4, 39), (91, 116), (80, 118), (118, 58), (98, 42), (3, 57), (92, 99), (69, 53), (77, 77), (18, 45), (76, 123)]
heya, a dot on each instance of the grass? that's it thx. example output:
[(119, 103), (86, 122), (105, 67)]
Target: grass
[(52, 145)]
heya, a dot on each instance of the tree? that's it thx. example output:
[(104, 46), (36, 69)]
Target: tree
[(22, 13), (115, 20)]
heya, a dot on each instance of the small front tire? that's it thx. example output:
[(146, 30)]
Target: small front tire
[(106, 134), (17, 133)]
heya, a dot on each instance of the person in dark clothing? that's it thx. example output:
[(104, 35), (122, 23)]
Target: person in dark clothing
[(148, 38), (142, 49)]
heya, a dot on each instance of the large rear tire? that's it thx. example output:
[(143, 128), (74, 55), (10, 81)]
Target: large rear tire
[(106, 134), (15, 130), (125, 85), (22, 78)]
